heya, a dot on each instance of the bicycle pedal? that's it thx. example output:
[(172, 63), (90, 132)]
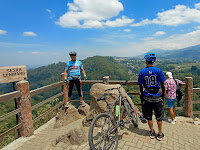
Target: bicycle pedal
[(122, 123)]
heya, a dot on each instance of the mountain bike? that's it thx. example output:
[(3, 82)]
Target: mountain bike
[(103, 131)]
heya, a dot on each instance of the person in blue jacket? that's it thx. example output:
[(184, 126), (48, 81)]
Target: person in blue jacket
[(150, 80), (73, 76)]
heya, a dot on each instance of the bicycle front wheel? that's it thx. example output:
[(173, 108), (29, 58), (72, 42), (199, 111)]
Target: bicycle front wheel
[(103, 133), (131, 113)]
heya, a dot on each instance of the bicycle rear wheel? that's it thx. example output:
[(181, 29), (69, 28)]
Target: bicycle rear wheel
[(131, 113), (103, 134)]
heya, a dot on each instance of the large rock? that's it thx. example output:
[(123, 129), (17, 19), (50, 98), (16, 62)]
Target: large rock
[(84, 110), (89, 117), (76, 136), (66, 116), (96, 91)]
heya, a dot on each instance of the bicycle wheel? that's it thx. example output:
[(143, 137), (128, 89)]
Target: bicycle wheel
[(131, 113), (103, 134)]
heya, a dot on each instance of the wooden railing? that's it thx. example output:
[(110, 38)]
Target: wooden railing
[(196, 90), (23, 94)]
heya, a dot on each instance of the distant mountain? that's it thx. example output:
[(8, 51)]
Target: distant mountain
[(192, 52), (159, 52)]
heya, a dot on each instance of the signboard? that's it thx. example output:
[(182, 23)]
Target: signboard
[(12, 74)]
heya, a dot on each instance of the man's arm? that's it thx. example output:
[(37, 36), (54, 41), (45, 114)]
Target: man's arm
[(163, 89), (83, 71), (141, 89), (179, 82), (66, 73)]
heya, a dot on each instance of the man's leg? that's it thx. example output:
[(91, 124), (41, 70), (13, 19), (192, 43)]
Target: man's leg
[(147, 112), (159, 111), (159, 127), (70, 88), (80, 92), (150, 123)]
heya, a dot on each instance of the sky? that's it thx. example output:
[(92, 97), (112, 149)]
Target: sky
[(41, 32)]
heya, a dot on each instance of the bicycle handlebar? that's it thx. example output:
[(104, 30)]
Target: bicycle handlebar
[(102, 97), (124, 83)]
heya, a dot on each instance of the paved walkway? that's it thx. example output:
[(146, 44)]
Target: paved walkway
[(180, 136)]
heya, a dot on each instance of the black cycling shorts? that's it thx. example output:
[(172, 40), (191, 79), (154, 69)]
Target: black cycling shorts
[(78, 86), (148, 108)]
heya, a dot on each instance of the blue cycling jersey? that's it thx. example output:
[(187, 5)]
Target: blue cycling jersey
[(74, 69), (150, 77)]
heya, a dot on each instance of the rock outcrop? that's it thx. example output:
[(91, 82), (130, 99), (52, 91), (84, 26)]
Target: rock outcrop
[(84, 110), (66, 116), (76, 136)]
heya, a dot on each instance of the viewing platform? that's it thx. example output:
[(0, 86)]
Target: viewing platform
[(183, 135)]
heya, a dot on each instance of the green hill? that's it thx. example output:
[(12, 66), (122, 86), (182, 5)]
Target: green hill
[(96, 67)]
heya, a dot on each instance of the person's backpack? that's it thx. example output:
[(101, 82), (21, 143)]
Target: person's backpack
[(179, 93)]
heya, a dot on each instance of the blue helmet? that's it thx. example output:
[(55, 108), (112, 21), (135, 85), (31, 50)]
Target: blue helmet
[(150, 57)]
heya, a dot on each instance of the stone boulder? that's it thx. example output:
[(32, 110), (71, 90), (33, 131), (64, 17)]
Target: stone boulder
[(89, 117), (96, 91), (66, 116), (84, 110), (76, 136)]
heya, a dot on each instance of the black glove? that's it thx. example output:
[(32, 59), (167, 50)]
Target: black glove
[(141, 96), (163, 96)]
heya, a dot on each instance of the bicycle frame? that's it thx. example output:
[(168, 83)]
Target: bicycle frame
[(110, 107)]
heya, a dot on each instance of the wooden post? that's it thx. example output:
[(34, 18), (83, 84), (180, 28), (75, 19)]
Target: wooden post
[(188, 97), (64, 88), (24, 103), (106, 80), (16, 107)]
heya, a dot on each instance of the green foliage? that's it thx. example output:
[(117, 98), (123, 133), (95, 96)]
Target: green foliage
[(97, 67)]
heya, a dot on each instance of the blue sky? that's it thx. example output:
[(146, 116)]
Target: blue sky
[(41, 32)]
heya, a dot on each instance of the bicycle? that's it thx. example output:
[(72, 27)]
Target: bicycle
[(104, 127)]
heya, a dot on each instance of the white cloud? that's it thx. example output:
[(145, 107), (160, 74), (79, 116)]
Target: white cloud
[(20, 52), (51, 15), (35, 53), (170, 43), (2, 32), (181, 14), (198, 27), (127, 30), (119, 22), (93, 14), (159, 33), (29, 34), (48, 10), (142, 23), (148, 38), (197, 5)]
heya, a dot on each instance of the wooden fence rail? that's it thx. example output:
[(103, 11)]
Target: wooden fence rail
[(196, 90), (8, 96)]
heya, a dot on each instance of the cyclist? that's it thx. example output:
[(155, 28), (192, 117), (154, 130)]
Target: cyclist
[(150, 80), (72, 71)]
